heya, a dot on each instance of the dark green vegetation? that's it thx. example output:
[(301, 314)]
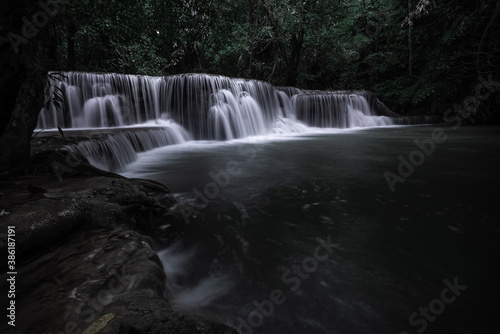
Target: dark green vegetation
[(418, 56), (412, 53)]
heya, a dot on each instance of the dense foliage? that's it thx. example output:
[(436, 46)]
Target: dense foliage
[(415, 54)]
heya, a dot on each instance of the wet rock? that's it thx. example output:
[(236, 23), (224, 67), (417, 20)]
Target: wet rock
[(85, 252)]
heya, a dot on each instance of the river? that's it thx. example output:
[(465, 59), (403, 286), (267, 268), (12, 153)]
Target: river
[(319, 232)]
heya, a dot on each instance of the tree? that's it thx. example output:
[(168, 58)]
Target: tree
[(110, 36), (453, 47), (24, 52)]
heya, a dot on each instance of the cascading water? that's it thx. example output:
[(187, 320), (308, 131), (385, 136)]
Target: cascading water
[(113, 151), (336, 110), (196, 106)]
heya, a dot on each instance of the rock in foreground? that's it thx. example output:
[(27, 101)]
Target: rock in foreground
[(84, 263)]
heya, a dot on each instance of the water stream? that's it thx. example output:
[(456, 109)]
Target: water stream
[(294, 224)]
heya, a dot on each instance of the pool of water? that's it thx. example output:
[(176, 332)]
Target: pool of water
[(381, 230)]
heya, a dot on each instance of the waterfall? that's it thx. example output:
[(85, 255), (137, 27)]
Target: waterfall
[(336, 110), (113, 151), (196, 106), (217, 107)]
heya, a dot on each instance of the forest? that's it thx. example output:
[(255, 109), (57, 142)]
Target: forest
[(270, 166), (418, 56)]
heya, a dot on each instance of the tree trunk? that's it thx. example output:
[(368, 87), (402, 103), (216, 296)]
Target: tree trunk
[(251, 21), (296, 42), (71, 46), (15, 140), (22, 81), (410, 39)]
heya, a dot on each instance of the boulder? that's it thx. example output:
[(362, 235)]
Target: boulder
[(86, 244)]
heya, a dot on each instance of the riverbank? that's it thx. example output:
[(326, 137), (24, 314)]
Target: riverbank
[(85, 260)]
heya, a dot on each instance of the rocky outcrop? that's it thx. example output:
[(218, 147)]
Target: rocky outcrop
[(84, 260)]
